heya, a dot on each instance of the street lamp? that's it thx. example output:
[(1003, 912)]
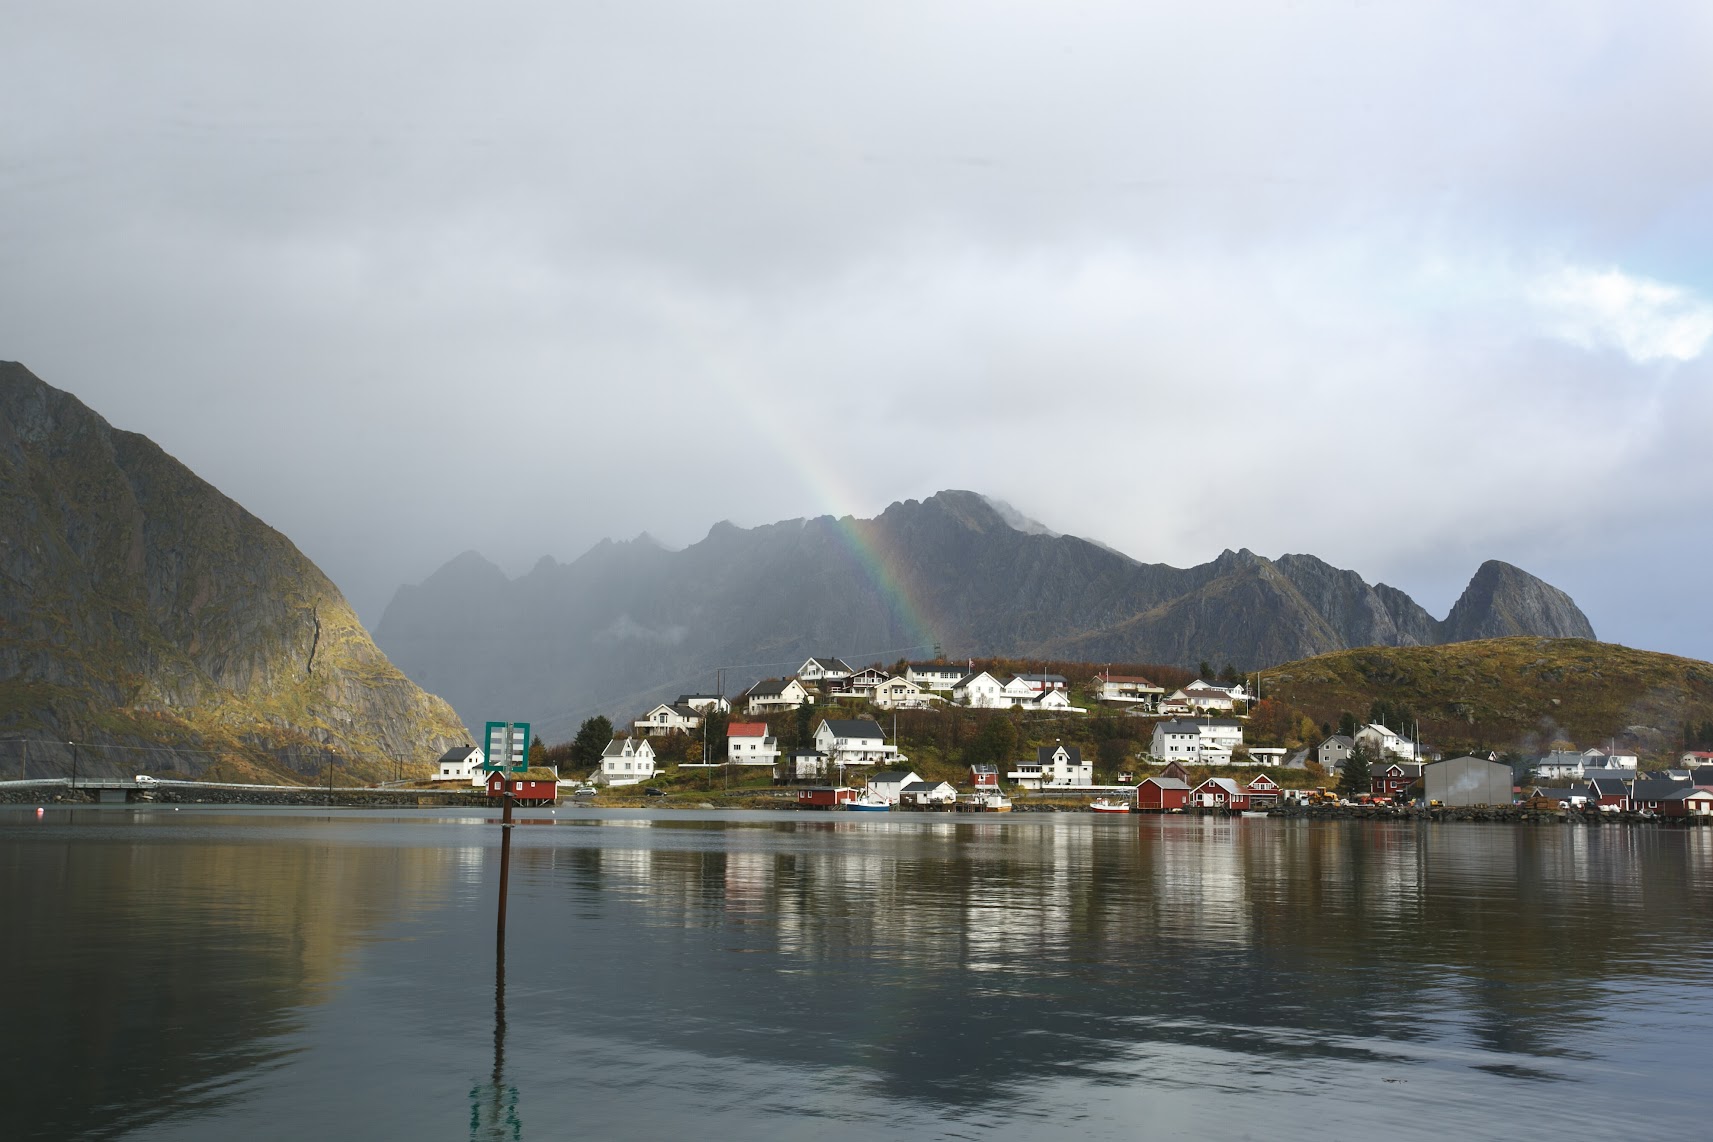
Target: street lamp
[(73, 746)]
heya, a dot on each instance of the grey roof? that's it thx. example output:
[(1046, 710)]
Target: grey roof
[(935, 667), (1409, 768), (1044, 754), (983, 767), (965, 680), (920, 787), (772, 688), (616, 747), (1702, 775), (1189, 725), (1608, 787), (457, 753), (701, 697), (891, 775), (831, 664), (1042, 677), (854, 728), (1167, 782), (1659, 789), (1338, 739)]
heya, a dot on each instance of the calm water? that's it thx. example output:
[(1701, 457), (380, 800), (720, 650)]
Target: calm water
[(220, 974)]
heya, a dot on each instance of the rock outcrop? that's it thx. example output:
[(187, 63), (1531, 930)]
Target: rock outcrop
[(152, 619)]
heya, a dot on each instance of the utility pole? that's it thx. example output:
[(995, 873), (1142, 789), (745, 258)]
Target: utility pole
[(73, 746)]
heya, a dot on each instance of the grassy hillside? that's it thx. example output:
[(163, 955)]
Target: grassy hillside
[(1510, 693)]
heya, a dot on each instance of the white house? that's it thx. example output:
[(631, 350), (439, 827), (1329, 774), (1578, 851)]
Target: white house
[(1132, 689), (902, 694), (1268, 755), (1054, 765), (1205, 696), (921, 794), (887, 784), (1016, 692), (749, 743), (824, 670), (667, 718), (1052, 700), (1560, 763), (702, 703), (804, 764), (980, 689), (1039, 683), (460, 763), (1386, 743), (777, 694), (854, 741), (934, 675), (627, 761), (1204, 741)]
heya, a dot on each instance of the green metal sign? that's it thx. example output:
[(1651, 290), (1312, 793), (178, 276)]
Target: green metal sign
[(506, 747)]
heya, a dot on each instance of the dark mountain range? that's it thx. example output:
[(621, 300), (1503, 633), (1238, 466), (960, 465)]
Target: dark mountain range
[(162, 626), (629, 623)]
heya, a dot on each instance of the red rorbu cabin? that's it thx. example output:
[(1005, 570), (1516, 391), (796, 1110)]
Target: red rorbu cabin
[(1161, 795), (1262, 790), (531, 787), (824, 796)]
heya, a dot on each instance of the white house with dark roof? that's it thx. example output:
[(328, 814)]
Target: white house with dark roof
[(667, 718), (1042, 682), (854, 741), (924, 794), (819, 670), (461, 763), (982, 691), (888, 784), (626, 761), (1203, 696), (1054, 765), (934, 675), (702, 703), (1201, 741), (862, 682), (776, 694)]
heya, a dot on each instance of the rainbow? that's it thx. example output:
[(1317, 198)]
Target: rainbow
[(822, 480)]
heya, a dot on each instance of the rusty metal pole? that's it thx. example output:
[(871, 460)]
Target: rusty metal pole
[(505, 862)]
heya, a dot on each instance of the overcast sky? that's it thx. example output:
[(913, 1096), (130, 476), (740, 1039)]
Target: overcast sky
[(1404, 286)]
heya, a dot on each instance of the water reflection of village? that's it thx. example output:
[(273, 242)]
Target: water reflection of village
[(1293, 940)]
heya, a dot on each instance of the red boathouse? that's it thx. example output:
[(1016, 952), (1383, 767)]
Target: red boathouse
[(824, 796), (531, 787)]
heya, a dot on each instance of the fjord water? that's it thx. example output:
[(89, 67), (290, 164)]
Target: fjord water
[(217, 974)]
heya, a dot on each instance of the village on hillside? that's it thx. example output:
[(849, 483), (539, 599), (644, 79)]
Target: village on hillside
[(974, 737)]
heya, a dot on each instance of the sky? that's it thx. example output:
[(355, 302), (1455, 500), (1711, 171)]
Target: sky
[(1405, 286)]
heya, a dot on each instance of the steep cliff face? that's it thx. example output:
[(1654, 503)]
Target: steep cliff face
[(144, 609), (1503, 600), (629, 623)]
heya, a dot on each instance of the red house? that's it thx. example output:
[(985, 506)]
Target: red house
[(984, 777), (1219, 793), (824, 796), (1262, 790), (1395, 780), (531, 787), (1161, 795)]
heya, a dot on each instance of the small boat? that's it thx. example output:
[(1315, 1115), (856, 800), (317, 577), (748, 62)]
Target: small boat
[(869, 803), (1106, 806)]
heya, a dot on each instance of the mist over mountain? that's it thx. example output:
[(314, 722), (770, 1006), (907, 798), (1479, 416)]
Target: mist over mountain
[(159, 624), (629, 623)]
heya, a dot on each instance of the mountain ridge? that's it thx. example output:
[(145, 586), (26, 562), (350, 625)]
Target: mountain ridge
[(626, 624)]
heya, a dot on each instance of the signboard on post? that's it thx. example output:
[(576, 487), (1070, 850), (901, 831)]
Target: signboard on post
[(507, 747)]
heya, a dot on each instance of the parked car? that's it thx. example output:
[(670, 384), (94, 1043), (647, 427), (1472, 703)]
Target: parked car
[(651, 791)]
